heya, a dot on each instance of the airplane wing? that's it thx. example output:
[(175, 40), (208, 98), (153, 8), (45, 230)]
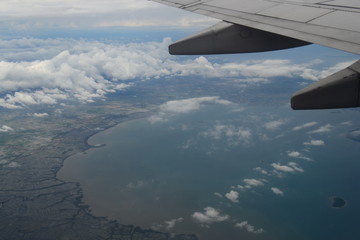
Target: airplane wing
[(265, 25)]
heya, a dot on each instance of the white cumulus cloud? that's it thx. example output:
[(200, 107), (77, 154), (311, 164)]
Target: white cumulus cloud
[(291, 167), (210, 215), (295, 154), (184, 106), (191, 104), (232, 196), (251, 182), (277, 191)]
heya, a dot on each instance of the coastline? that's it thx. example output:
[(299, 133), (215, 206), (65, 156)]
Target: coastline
[(46, 207)]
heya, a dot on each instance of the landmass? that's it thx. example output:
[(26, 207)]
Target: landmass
[(337, 202), (34, 204)]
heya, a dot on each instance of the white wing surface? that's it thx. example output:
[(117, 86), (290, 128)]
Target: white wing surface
[(264, 25)]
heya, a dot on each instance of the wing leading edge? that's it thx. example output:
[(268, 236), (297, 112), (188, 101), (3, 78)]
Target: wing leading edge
[(266, 25)]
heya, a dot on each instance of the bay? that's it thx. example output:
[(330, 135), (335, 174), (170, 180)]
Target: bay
[(152, 173)]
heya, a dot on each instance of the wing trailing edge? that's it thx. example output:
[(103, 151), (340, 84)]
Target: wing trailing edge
[(226, 37)]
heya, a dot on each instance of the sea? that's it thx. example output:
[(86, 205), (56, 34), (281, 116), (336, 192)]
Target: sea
[(224, 171)]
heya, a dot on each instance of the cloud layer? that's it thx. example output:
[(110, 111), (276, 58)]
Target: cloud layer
[(85, 71), (22, 15)]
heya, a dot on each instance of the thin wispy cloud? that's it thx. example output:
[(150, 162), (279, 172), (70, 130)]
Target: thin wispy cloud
[(168, 225), (13, 165), (323, 129), (315, 143), (306, 125), (231, 134), (218, 194), (250, 228), (261, 170), (354, 135), (37, 14), (135, 185), (274, 125), (295, 154)]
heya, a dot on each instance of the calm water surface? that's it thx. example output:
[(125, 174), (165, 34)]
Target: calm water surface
[(149, 173)]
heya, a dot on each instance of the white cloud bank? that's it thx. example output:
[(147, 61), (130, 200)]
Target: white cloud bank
[(210, 215), (85, 71)]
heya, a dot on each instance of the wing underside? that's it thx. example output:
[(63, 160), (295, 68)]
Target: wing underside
[(265, 25)]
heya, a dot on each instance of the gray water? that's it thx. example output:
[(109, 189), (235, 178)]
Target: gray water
[(150, 173)]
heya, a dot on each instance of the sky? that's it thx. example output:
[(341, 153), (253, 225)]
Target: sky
[(34, 14)]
